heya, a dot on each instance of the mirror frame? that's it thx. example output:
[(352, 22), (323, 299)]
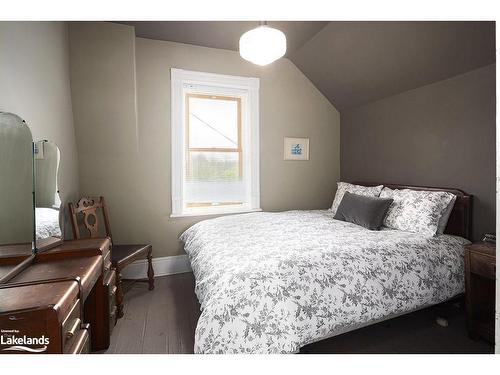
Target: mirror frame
[(22, 260)]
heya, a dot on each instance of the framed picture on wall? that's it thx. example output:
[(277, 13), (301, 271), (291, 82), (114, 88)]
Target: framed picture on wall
[(296, 148)]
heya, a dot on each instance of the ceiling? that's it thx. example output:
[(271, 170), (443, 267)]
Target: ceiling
[(222, 34), (353, 63)]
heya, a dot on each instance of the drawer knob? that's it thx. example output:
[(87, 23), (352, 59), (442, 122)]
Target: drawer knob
[(76, 325)]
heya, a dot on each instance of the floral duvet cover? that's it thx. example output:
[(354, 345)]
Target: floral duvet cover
[(274, 282)]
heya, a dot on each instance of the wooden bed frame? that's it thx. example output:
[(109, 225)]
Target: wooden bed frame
[(460, 221)]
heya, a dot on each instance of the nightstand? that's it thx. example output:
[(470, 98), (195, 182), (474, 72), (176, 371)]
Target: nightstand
[(480, 273)]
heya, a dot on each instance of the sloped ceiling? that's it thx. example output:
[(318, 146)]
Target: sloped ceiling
[(222, 34), (353, 63)]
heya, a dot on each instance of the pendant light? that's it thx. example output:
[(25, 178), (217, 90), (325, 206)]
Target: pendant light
[(263, 45)]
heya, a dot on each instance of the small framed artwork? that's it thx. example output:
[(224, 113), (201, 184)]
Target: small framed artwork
[(296, 148), (38, 150)]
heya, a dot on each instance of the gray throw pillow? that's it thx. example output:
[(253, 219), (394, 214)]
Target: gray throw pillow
[(369, 212)]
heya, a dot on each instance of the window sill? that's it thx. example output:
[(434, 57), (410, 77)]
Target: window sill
[(216, 212)]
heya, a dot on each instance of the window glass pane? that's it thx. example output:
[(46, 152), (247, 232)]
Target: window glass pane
[(213, 166), (203, 194), (213, 178), (213, 123)]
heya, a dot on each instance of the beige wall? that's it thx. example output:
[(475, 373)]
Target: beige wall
[(103, 90), (130, 162), (34, 81), (46, 176)]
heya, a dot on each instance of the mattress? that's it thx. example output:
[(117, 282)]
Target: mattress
[(274, 282)]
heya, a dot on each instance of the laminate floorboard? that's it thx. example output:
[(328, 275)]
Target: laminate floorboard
[(164, 321)]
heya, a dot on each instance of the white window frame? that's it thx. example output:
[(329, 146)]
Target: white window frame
[(247, 88)]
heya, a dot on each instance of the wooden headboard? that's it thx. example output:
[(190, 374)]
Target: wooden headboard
[(460, 221)]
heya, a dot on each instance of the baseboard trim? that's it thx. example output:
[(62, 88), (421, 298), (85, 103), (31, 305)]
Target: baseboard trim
[(163, 266)]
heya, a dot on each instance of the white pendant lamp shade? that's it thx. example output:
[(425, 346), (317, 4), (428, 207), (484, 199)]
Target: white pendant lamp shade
[(262, 45)]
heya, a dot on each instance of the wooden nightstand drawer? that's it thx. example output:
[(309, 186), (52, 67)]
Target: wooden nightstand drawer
[(482, 265)]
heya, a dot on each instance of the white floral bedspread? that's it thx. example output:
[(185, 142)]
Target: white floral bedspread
[(47, 223), (274, 282)]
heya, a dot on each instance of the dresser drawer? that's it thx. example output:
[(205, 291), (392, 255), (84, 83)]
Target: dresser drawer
[(39, 310), (110, 284), (106, 263), (482, 265), (112, 297), (112, 318), (80, 343), (107, 248), (110, 288), (71, 325)]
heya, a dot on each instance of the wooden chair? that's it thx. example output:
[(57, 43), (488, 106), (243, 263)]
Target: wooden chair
[(121, 255)]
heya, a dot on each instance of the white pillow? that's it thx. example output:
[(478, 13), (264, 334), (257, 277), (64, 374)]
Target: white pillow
[(342, 187), (417, 211), (446, 215), (395, 209)]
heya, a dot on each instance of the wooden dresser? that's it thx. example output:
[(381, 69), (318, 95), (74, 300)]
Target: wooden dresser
[(66, 294), (43, 318), (480, 274)]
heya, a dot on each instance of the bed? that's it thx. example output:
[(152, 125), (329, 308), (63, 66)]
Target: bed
[(47, 223), (275, 282)]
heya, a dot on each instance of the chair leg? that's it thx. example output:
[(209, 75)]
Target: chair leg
[(119, 294), (151, 273)]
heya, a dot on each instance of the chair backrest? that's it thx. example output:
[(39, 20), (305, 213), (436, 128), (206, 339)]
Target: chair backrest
[(88, 208)]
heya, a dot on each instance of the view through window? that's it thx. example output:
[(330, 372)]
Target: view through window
[(215, 143), (214, 163)]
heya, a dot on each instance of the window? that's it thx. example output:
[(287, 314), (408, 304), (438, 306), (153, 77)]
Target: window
[(215, 143)]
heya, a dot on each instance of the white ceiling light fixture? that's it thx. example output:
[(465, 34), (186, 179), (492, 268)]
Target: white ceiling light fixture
[(263, 45)]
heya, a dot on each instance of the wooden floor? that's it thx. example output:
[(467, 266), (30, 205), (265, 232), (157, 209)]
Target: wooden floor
[(159, 321), (164, 321)]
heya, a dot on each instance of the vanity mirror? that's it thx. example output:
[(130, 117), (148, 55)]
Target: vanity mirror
[(48, 218), (16, 187)]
